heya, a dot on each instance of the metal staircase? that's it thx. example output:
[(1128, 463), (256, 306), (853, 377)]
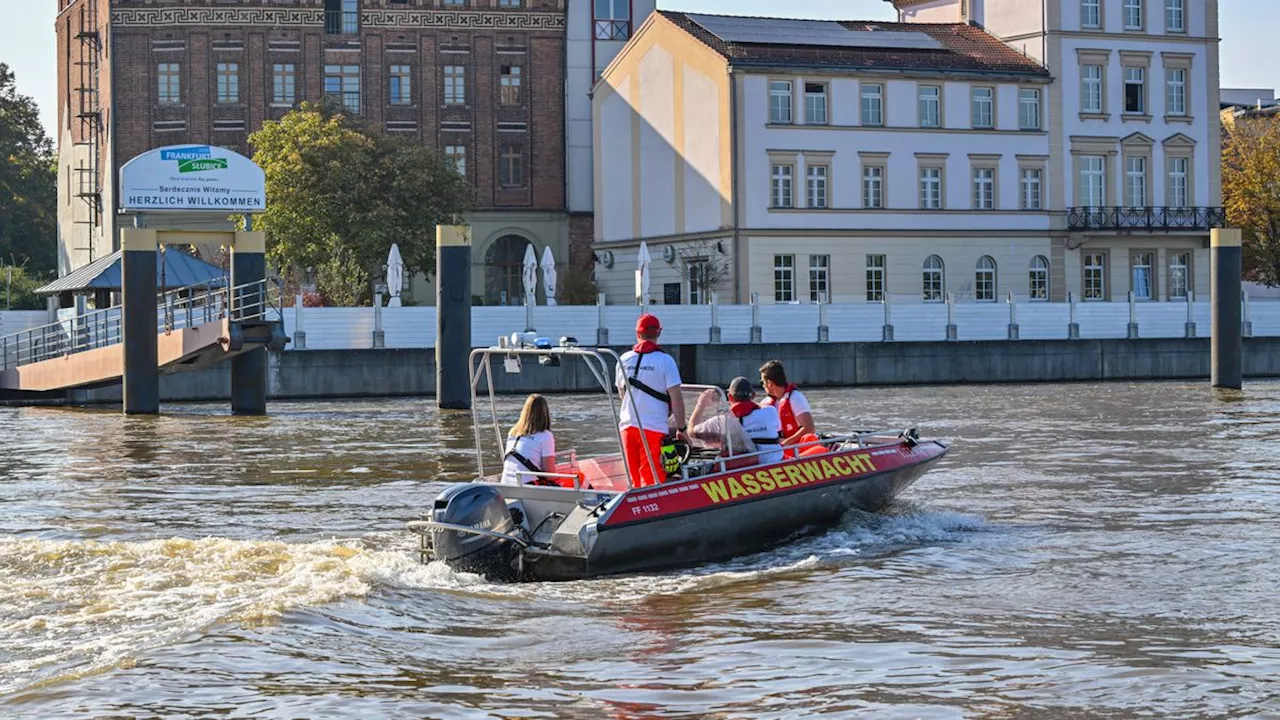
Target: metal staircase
[(87, 181)]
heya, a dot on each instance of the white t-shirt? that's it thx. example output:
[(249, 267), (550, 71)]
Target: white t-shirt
[(537, 447), (658, 370), (799, 404), (764, 423)]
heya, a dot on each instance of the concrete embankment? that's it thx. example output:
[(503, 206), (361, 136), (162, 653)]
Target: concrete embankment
[(397, 373)]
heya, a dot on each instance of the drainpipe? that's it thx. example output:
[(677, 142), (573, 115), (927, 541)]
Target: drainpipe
[(734, 171)]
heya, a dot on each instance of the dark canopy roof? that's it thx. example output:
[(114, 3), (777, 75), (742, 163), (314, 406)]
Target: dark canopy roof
[(179, 270)]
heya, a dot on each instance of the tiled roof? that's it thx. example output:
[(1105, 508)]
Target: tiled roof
[(965, 49)]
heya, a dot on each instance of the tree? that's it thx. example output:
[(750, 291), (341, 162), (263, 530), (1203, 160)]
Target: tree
[(1251, 194), (705, 267), (339, 195), (18, 289), (28, 183)]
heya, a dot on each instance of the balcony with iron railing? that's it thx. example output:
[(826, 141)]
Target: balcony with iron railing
[(1153, 219)]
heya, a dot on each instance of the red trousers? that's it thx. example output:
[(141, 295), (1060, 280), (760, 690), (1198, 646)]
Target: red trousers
[(637, 449)]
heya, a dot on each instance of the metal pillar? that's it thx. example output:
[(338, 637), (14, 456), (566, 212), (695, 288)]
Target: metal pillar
[(453, 316), (249, 369), (1227, 358), (139, 322)]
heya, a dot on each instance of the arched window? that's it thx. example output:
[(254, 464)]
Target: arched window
[(934, 284), (1039, 279), (984, 280), (503, 270)]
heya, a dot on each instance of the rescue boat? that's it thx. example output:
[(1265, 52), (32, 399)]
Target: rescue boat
[(588, 519)]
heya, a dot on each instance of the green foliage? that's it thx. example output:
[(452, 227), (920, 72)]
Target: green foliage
[(28, 182), (1251, 194), (339, 195), (578, 286), (18, 289)]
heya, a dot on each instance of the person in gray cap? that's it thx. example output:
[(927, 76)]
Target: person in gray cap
[(759, 426)]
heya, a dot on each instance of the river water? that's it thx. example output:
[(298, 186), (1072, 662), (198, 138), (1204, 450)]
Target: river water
[(1096, 550)]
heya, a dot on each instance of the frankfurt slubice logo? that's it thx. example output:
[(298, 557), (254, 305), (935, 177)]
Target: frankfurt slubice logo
[(194, 159)]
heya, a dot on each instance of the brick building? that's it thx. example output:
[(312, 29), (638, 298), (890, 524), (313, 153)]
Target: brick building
[(483, 81)]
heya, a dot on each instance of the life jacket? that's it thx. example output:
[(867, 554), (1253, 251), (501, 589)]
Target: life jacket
[(785, 413), (641, 349), (519, 457), (741, 409)]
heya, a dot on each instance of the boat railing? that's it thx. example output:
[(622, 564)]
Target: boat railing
[(861, 437)]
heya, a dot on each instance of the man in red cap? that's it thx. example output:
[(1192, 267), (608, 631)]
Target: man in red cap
[(649, 383)]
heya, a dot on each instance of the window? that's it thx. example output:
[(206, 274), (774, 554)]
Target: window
[(399, 92), (1093, 181), (228, 83), (816, 186), (698, 270), (1132, 14), (872, 186), (984, 280), (1135, 182), (1029, 109), (510, 91), (1179, 194), (343, 82), (613, 19), (1175, 16), (819, 278), (1142, 285), (784, 278), (1091, 89), (170, 83), (872, 104), (815, 104), (931, 188), (456, 155), (1175, 82), (780, 102), (506, 3), (782, 196), (455, 85), (1038, 283), (930, 106), (875, 278), (984, 189), (1031, 189), (1090, 13), (1179, 265), (1095, 276), (283, 80), (342, 16), (934, 285), (983, 108), (511, 167), (1135, 90), (455, 3)]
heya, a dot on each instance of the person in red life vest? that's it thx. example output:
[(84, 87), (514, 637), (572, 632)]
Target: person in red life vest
[(649, 383), (758, 425), (793, 408)]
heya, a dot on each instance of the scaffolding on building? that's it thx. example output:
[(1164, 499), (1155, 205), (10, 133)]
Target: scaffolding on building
[(88, 175)]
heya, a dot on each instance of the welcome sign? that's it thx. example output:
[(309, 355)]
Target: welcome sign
[(192, 178)]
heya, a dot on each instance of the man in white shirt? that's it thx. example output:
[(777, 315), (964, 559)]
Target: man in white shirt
[(793, 407), (760, 424), (649, 382)]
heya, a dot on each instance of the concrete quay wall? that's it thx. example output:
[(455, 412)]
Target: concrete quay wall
[(398, 373)]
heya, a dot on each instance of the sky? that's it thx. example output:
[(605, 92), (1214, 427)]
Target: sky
[(27, 39)]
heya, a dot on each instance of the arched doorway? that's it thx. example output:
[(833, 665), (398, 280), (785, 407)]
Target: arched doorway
[(503, 265)]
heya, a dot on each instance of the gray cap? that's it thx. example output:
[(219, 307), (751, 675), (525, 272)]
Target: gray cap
[(740, 389)]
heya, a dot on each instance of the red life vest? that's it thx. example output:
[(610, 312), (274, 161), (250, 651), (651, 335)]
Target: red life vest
[(786, 414), (743, 408), (646, 346)]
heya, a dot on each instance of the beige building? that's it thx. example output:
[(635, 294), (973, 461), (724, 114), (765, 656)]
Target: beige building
[(804, 160)]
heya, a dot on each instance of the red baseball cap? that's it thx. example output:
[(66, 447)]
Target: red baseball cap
[(648, 323)]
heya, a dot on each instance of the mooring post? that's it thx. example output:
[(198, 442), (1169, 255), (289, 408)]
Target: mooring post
[(602, 328), (1013, 318), (1073, 327), (1225, 287), (1191, 314), (453, 317), (757, 333), (952, 331), (139, 321), (715, 319), (248, 298)]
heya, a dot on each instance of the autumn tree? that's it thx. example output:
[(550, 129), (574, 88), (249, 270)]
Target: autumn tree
[(339, 194), (1251, 193), (28, 183)]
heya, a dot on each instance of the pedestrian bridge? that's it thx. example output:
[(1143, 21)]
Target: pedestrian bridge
[(195, 327)]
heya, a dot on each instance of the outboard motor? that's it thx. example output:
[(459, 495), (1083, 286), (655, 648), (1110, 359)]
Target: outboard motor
[(481, 506)]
